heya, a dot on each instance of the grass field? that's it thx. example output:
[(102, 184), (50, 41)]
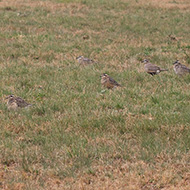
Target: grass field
[(80, 135)]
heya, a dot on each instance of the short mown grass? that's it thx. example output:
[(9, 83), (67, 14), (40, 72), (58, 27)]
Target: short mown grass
[(79, 135)]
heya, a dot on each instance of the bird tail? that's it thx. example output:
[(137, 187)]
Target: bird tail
[(163, 69)]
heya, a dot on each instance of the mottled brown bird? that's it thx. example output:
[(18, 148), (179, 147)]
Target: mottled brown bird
[(84, 60), (14, 103), (172, 37), (108, 82), (180, 69), (152, 69)]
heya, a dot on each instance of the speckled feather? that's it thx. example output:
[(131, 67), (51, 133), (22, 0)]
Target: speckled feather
[(108, 82), (180, 69), (151, 68), (16, 102)]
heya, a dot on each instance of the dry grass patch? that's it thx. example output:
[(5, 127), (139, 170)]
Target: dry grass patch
[(128, 175)]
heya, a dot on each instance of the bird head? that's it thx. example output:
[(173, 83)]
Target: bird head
[(145, 61), (79, 58), (176, 62), (9, 96), (104, 75)]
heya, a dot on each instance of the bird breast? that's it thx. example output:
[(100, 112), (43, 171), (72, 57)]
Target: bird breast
[(12, 106)]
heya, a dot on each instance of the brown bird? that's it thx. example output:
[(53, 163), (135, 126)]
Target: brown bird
[(152, 69), (14, 103), (172, 37), (85, 61), (108, 82), (86, 37), (180, 69)]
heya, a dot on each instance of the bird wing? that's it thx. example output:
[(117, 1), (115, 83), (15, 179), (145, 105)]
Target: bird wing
[(184, 67), (151, 68), (88, 60), (114, 82), (20, 102)]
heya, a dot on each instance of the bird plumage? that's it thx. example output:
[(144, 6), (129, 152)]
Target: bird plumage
[(85, 61), (151, 68), (180, 69), (108, 82), (16, 102)]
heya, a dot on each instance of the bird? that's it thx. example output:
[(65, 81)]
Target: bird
[(14, 103), (84, 60), (86, 37), (172, 37), (180, 69), (108, 82), (152, 69)]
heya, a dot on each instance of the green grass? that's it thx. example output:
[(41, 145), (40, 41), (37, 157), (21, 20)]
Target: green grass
[(74, 125)]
